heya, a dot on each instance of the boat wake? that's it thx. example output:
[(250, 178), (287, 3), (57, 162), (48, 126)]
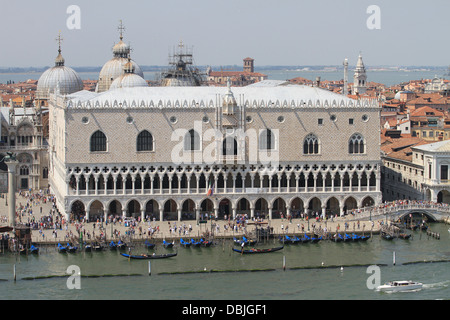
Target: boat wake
[(437, 285)]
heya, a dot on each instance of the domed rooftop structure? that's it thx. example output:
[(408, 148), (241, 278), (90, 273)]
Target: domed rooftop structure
[(59, 77), (229, 102), (128, 79), (182, 74), (114, 68)]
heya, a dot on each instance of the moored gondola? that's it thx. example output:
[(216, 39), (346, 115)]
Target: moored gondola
[(404, 236), (168, 244), (149, 256), (61, 248), (205, 243), (196, 244), (34, 250), (313, 239), (386, 236), (149, 245), (71, 248), (355, 237), (185, 243), (112, 245), (245, 241), (97, 247), (121, 245), (256, 251), (87, 247)]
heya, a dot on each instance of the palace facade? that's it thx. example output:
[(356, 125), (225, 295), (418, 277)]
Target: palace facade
[(173, 153)]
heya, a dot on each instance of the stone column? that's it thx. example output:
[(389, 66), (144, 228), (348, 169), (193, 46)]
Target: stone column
[(12, 192)]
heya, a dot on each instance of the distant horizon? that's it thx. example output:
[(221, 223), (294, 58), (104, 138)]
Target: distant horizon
[(237, 66)]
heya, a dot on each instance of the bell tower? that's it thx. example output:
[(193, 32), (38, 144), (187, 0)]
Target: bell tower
[(360, 77), (248, 65)]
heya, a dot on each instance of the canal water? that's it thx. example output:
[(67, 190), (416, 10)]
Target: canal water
[(313, 271)]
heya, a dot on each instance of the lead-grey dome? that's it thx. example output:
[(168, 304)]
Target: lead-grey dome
[(114, 68), (128, 79), (60, 76)]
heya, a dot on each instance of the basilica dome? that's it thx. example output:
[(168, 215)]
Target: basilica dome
[(114, 67), (128, 78), (65, 78)]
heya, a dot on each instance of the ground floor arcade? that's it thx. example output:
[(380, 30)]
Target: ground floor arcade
[(220, 206)]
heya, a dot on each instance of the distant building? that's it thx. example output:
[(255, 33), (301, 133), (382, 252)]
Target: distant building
[(360, 78), (437, 85), (22, 133), (238, 78)]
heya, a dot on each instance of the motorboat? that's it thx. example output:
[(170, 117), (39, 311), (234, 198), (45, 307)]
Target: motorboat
[(402, 285)]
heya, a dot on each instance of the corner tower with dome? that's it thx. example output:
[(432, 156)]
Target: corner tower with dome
[(114, 68)]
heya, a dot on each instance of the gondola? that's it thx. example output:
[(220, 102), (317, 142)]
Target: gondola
[(305, 239), (196, 244), (347, 238), (112, 245), (185, 243), (313, 239), (61, 248), (121, 245), (355, 237), (87, 248), (205, 243), (167, 244), (404, 236), (255, 250), (337, 238), (149, 245), (34, 250), (386, 236), (365, 238), (71, 249), (148, 256), (289, 240), (97, 247), (244, 241)]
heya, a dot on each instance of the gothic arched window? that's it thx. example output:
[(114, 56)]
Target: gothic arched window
[(267, 140), (311, 144), (144, 141), (98, 141), (192, 141), (356, 144), (229, 146)]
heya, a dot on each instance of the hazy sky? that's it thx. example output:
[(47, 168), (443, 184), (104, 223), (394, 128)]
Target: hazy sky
[(223, 32)]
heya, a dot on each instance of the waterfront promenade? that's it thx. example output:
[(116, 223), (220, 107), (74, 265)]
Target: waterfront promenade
[(44, 231)]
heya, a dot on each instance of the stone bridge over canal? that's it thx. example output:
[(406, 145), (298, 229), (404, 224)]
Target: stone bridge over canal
[(434, 212)]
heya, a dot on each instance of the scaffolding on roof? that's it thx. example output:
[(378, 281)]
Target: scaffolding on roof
[(182, 71)]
